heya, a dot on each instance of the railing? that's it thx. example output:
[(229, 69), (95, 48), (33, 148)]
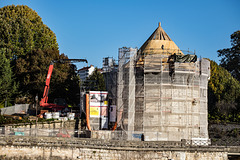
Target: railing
[(36, 132), (120, 136)]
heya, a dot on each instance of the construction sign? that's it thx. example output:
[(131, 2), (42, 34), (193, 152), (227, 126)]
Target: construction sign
[(98, 103), (94, 111)]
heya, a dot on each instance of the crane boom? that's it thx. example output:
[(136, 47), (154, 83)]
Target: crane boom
[(44, 100), (69, 60), (46, 89)]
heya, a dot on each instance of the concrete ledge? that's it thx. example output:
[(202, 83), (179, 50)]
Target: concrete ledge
[(45, 148), (110, 144)]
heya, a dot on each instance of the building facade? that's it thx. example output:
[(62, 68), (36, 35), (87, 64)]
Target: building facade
[(85, 72)]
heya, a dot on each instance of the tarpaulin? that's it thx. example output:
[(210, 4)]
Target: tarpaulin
[(184, 58)]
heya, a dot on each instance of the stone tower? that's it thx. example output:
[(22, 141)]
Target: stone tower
[(162, 92)]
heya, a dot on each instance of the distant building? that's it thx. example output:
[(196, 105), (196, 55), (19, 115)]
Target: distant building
[(85, 72), (100, 70)]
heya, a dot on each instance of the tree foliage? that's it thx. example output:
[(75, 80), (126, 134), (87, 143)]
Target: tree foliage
[(32, 70), (30, 46), (223, 94), (95, 82), (230, 57), (22, 30), (7, 85), (72, 90)]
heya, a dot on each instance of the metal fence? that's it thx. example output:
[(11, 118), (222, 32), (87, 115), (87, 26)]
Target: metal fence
[(70, 133), (118, 135), (37, 132), (17, 108), (100, 134)]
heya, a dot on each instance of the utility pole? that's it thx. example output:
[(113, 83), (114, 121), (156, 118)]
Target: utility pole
[(79, 98), (36, 99)]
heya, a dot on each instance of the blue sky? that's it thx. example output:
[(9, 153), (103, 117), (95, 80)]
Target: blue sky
[(95, 29)]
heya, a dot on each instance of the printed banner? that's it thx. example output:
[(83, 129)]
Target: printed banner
[(104, 111), (98, 103), (94, 111), (104, 123), (113, 113)]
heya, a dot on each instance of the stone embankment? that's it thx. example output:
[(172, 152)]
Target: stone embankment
[(17, 147)]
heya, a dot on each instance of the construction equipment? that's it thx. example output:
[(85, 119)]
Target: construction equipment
[(59, 104)]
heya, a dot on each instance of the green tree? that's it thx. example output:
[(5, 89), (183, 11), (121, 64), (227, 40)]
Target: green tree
[(230, 57), (95, 82), (7, 85), (72, 86), (32, 70), (22, 30), (31, 46), (64, 82), (223, 94)]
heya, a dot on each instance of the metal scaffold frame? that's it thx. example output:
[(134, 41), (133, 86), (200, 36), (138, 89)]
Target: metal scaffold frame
[(161, 99), (126, 88)]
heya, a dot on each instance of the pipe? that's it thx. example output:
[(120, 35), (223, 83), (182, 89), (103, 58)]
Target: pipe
[(87, 112), (115, 126), (119, 117)]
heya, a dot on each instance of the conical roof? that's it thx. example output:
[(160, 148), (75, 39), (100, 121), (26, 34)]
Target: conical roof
[(159, 43)]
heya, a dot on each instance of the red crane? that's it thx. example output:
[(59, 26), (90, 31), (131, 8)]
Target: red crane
[(60, 104)]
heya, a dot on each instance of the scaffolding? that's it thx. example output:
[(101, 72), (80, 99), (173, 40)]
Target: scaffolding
[(126, 88), (161, 98), (110, 70)]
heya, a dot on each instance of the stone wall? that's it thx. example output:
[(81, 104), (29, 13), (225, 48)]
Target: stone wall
[(24, 152), (60, 148)]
